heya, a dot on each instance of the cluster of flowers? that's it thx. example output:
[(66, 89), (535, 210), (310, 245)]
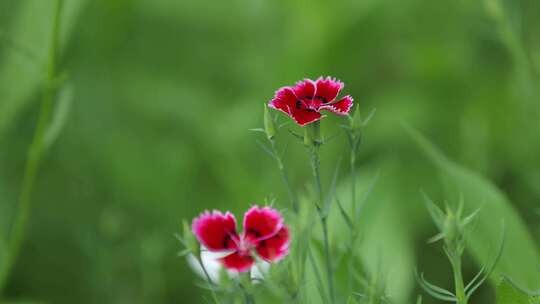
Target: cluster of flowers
[(265, 234)]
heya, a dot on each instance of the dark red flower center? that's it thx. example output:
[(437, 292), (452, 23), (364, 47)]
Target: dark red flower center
[(309, 103)]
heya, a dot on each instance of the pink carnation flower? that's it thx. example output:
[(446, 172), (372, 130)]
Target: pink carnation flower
[(308, 98), (265, 234)]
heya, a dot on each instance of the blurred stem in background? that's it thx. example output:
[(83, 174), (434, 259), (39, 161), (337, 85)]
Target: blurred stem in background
[(513, 42), (37, 147), (509, 30), (313, 141)]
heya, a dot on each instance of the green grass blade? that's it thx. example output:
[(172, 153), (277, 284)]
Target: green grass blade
[(28, 28)]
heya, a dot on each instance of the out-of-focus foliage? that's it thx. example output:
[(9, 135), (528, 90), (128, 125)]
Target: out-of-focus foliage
[(165, 91), (509, 293), (495, 213)]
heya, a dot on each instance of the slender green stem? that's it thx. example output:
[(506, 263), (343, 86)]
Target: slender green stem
[(284, 176), (328, 259), (352, 164), (315, 167), (317, 276), (355, 136), (353, 182), (208, 280), (458, 280), (313, 147), (35, 153)]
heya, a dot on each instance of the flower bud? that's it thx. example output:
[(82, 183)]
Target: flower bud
[(451, 229), (269, 128)]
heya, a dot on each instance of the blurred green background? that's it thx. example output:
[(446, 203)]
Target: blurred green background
[(164, 93)]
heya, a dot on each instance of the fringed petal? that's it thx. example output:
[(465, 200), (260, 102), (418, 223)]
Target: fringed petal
[(341, 107), (261, 223), (276, 247), (216, 231)]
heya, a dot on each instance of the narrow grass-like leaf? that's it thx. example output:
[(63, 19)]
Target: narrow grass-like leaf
[(461, 206), (435, 294), (369, 117), (434, 287), (318, 277), (435, 238), (466, 221), (494, 264), (183, 252), (297, 136), (437, 215), (476, 277), (265, 148), (59, 116), (344, 214)]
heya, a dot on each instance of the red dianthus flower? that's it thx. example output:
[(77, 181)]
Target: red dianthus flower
[(308, 98), (265, 234)]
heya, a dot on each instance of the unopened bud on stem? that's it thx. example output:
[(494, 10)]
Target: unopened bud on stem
[(453, 232), (269, 128)]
